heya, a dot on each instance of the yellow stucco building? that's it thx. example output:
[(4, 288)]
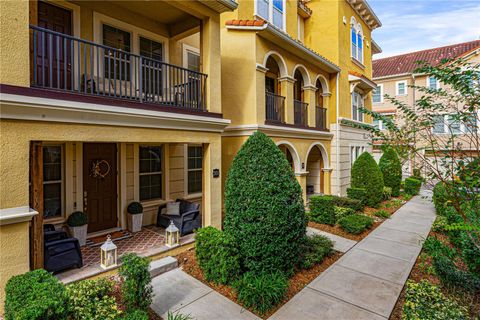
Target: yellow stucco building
[(299, 71)]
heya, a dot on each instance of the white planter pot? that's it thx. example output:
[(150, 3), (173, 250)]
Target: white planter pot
[(134, 222), (80, 233)]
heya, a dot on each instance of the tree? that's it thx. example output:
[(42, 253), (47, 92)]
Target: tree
[(265, 213), (391, 169), (366, 174), (452, 157)]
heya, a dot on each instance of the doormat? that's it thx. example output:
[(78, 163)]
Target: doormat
[(116, 236)]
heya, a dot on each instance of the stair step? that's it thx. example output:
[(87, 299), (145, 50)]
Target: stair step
[(163, 265)]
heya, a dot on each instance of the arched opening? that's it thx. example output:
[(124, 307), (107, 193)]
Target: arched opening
[(315, 176), (288, 155), (320, 110), (274, 101), (300, 107)]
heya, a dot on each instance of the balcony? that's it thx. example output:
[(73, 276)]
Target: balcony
[(321, 118), (64, 63), (300, 113), (275, 107)]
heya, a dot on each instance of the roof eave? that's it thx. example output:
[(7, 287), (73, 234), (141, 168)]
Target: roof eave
[(221, 6), (363, 9)]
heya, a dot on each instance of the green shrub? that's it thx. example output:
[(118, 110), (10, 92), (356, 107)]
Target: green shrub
[(450, 275), (136, 315), (387, 193), (424, 300), (382, 214), (35, 295), (135, 207), (77, 219), (216, 255), (407, 196), (322, 210), (356, 223), (391, 169), (178, 316), (357, 194), (341, 212), (345, 202), (434, 247), (315, 249), (264, 209), (261, 292), (137, 288), (412, 186), (470, 253), (440, 198), (366, 174), (92, 300), (439, 224)]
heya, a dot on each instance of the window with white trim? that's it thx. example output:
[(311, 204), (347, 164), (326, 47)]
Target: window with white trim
[(273, 11), (378, 94), (150, 171), (357, 103), (450, 124), (194, 169), (401, 88), (53, 181), (453, 124), (380, 124), (356, 40), (433, 83)]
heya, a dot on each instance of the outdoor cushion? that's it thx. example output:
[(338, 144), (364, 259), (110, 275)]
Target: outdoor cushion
[(173, 209)]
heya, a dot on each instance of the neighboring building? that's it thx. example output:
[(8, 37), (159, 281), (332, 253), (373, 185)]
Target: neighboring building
[(395, 75), (299, 71), (103, 103)]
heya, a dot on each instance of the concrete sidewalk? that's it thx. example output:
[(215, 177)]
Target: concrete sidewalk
[(366, 281)]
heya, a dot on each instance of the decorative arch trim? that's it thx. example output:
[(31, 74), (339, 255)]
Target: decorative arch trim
[(293, 151), (282, 65), (323, 151), (324, 82), (303, 70)]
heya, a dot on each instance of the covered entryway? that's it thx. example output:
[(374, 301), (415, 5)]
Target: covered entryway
[(100, 185), (315, 165)]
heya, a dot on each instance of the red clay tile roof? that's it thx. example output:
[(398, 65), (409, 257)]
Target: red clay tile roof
[(406, 63), (245, 23)]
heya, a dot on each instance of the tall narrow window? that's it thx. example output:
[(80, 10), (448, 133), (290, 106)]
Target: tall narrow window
[(263, 7), (272, 10), (357, 103), (117, 62), (401, 88), (354, 41), (151, 68), (438, 124), (377, 94), (453, 124), (277, 13), (360, 47), (195, 159), (52, 181), (150, 171), (432, 83)]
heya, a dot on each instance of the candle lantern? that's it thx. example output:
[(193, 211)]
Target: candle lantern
[(172, 235), (108, 254)]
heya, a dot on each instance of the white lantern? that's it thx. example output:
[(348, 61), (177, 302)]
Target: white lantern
[(108, 254), (172, 235)]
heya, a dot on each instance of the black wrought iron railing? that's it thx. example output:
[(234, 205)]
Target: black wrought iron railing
[(320, 118), (275, 107), (66, 63), (300, 113)]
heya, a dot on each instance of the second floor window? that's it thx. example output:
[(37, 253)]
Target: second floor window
[(432, 83), (117, 62), (401, 88), (273, 11), (356, 40), (357, 104), (378, 94)]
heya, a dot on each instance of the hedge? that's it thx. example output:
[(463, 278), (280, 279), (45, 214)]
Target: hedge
[(412, 186), (391, 169), (366, 174), (264, 209), (345, 202), (356, 223), (314, 250), (341, 212), (357, 194), (322, 209)]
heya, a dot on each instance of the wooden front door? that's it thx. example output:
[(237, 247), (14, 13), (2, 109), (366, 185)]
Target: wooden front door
[(54, 53), (100, 185)]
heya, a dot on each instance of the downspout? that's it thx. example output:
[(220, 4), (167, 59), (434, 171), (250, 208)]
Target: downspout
[(337, 133)]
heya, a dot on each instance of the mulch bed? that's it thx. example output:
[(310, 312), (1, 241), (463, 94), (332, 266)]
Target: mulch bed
[(337, 230), (422, 271), (296, 283)]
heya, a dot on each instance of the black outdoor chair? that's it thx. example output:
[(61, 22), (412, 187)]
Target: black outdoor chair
[(60, 251), (188, 220)]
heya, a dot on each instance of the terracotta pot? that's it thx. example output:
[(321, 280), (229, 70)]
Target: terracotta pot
[(134, 222), (80, 233)]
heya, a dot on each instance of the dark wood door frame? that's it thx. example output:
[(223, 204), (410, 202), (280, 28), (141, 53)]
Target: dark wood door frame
[(100, 189)]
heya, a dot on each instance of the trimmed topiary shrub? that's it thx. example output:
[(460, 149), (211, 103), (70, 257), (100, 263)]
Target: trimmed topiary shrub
[(412, 186), (77, 219), (357, 194), (135, 207), (366, 174), (391, 169), (264, 210), (345, 202), (92, 300), (356, 223), (35, 295), (315, 249), (216, 255), (322, 210), (341, 212), (424, 300), (261, 292), (136, 288)]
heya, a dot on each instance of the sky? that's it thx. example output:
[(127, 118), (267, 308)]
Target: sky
[(412, 25)]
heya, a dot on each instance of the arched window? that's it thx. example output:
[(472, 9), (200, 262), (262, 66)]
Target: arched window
[(356, 37)]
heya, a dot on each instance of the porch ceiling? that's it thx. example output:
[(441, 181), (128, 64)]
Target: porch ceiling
[(156, 10)]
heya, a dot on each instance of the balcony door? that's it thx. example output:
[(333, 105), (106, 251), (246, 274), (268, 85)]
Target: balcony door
[(53, 52)]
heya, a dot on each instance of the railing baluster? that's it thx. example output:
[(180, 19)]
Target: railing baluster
[(43, 59), (140, 78), (50, 61), (35, 54), (72, 67), (85, 80), (65, 71), (57, 52)]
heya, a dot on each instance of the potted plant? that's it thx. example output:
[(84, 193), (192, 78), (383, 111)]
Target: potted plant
[(77, 223), (135, 216)]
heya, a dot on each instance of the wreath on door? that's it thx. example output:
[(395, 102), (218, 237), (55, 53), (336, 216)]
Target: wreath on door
[(100, 169)]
